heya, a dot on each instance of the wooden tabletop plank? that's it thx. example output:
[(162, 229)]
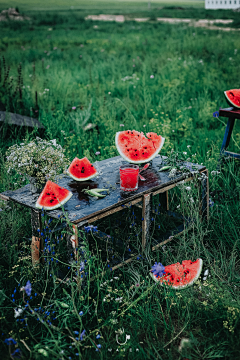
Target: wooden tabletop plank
[(20, 120), (82, 206), (230, 112)]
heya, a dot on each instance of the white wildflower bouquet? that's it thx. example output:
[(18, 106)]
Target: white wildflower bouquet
[(39, 159)]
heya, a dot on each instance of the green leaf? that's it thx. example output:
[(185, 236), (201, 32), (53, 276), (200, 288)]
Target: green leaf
[(63, 305), (43, 352)]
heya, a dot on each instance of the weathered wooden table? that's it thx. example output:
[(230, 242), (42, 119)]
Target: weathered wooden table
[(82, 209), (232, 114)]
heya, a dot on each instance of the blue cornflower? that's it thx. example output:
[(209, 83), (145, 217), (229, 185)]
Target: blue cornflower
[(82, 335), (81, 313), (58, 216), (158, 269), (211, 202), (15, 290), (129, 250), (10, 341), (216, 114), (27, 288), (159, 226), (90, 228), (16, 354), (98, 336), (42, 234), (76, 332)]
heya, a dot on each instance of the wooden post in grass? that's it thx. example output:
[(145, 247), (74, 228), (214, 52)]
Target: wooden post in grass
[(146, 218), (37, 241)]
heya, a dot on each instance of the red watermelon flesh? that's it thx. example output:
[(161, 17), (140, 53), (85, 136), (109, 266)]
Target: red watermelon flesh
[(180, 276), (233, 97), (53, 196), (135, 148), (82, 169)]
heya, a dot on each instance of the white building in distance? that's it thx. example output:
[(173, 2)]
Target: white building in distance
[(222, 4)]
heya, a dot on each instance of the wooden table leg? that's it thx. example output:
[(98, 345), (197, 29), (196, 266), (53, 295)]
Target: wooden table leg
[(37, 241), (163, 200), (146, 218), (204, 201), (72, 241)]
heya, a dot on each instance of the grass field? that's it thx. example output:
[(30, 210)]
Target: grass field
[(122, 5), (150, 77)]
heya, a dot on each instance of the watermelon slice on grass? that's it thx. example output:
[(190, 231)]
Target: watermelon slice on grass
[(135, 148), (53, 196), (177, 276), (233, 97), (82, 169)]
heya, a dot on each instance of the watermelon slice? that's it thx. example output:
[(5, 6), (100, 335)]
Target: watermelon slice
[(178, 276), (135, 148), (52, 196), (233, 97), (81, 169)]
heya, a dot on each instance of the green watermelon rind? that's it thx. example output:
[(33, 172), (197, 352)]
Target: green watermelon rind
[(182, 286), (229, 101), (54, 206), (81, 179), (138, 161)]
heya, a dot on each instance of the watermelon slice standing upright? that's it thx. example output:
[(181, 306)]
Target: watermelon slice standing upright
[(178, 276), (53, 196), (82, 169), (135, 148), (233, 97)]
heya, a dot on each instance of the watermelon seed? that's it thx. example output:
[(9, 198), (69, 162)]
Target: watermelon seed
[(91, 165), (48, 193), (76, 164), (51, 200)]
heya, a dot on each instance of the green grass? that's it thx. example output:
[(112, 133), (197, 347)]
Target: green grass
[(123, 5), (191, 68)]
